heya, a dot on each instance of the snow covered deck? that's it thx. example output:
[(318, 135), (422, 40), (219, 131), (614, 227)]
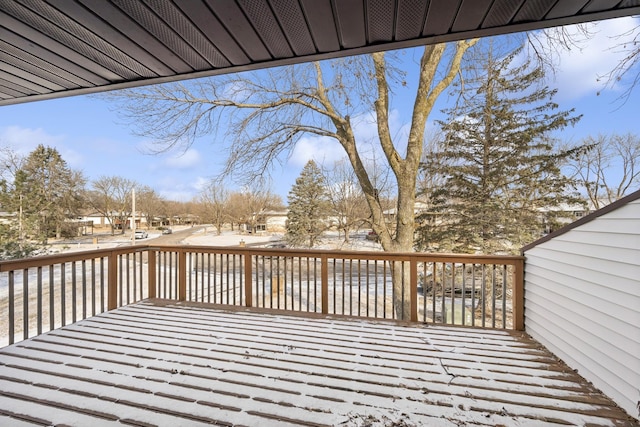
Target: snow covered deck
[(167, 363)]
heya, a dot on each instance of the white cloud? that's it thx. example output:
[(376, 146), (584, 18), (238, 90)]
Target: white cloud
[(186, 160), (200, 183), (175, 188), (175, 195), (74, 159), (25, 140), (365, 126), (322, 150), (580, 69)]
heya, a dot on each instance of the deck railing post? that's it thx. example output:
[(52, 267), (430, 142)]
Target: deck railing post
[(413, 288), (517, 295), (182, 275), (151, 272), (12, 308), (248, 279), (112, 284), (324, 278), (25, 303)]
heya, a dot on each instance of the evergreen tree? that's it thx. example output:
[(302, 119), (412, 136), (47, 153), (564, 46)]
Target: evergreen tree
[(45, 192), (501, 169), (308, 207)]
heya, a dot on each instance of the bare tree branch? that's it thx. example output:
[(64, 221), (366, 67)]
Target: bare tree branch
[(256, 120), (608, 168)]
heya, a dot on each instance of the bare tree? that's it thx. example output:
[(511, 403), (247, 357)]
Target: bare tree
[(10, 163), (259, 198), (628, 44), (237, 209), (608, 168), (264, 114), (548, 45), (148, 203), (173, 211), (111, 196), (246, 207), (348, 205), (545, 47), (431, 178), (214, 199)]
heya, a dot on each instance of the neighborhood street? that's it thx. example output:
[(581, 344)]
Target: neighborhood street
[(175, 238)]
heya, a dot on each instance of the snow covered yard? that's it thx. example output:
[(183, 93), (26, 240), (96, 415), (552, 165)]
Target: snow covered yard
[(170, 364)]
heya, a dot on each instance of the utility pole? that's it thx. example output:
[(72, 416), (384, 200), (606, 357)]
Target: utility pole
[(20, 234), (133, 215)]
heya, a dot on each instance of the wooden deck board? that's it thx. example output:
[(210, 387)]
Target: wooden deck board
[(169, 363)]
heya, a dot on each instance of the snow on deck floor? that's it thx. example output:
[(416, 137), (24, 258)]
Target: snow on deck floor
[(169, 364)]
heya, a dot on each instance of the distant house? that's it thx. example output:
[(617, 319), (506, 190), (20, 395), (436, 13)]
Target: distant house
[(91, 218), (566, 213), (94, 217), (419, 208), (189, 219), (272, 221), (571, 213)]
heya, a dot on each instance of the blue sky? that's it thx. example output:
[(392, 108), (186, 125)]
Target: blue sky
[(88, 133)]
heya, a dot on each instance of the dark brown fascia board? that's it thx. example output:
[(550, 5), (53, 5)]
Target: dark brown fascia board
[(485, 32), (585, 219)]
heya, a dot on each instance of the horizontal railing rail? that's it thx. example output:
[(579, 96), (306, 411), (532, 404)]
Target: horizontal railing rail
[(43, 293)]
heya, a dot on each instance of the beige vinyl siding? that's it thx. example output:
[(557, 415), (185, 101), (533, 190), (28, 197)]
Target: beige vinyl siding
[(582, 301)]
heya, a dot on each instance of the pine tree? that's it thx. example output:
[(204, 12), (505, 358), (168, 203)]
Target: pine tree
[(43, 192), (499, 161), (308, 207)]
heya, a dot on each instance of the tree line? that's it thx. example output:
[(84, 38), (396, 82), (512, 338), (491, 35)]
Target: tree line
[(42, 198)]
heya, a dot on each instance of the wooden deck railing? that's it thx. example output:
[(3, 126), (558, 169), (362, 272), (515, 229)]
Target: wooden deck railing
[(40, 294)]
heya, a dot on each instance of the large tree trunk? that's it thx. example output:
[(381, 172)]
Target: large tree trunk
[(406, 169)]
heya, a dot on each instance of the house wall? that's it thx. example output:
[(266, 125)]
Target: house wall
[(96, 220), (276, 224), (582, 300)]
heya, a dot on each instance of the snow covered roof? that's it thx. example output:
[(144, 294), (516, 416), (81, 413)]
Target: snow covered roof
[(168, 363), (418, 207)]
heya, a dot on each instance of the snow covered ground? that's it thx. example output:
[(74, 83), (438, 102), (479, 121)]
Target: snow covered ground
[(330, 240), (181, 364), (207, 236)]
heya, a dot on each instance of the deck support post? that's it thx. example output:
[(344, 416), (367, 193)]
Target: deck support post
[(151, 272), (248, 279), (324, 279), (182, 275), (517, 295), (112, 284), (12, 309), (413, 288)]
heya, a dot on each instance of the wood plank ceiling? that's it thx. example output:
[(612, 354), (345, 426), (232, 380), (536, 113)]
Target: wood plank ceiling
[(54, 48)]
